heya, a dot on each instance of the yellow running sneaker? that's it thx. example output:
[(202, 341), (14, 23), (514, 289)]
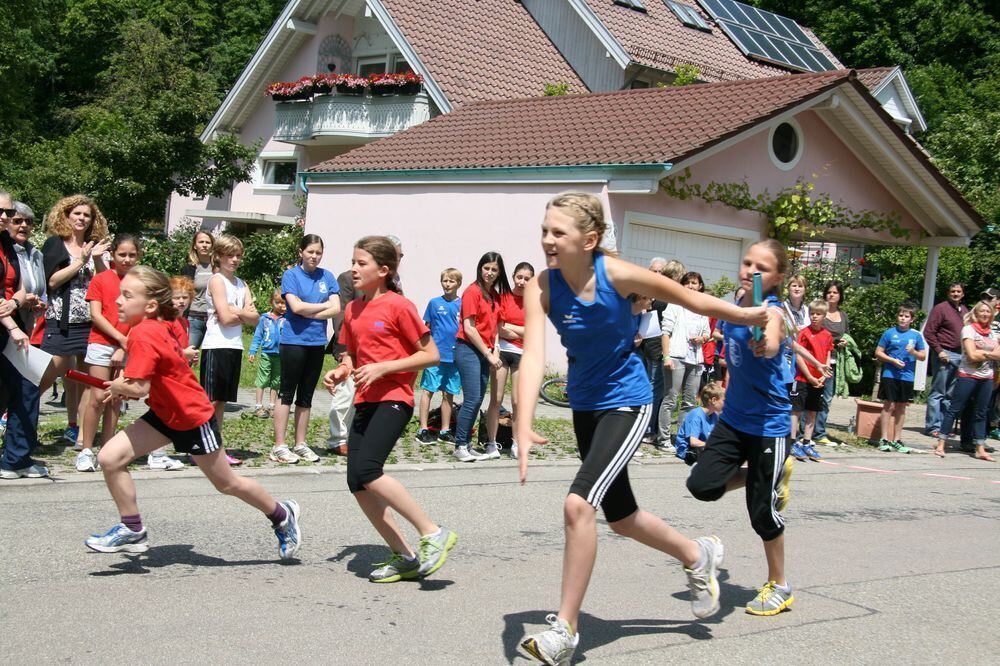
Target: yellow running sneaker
[(771, 599)]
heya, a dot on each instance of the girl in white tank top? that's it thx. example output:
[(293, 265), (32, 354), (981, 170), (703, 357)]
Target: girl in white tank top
[(218, 336)]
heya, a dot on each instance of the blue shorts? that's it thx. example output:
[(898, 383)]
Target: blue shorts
[(443, 376)]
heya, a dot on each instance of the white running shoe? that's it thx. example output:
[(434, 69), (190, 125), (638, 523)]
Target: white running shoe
[(163, 462), (492, 451), (86, 461), (513, 449), (463, 454), (555, 645), (284, 456), (304, 452)]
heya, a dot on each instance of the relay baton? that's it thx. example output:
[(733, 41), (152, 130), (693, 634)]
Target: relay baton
[(758, 299), (84, 378)]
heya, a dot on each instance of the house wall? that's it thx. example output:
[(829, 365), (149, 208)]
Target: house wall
[(825, 162), (440, 226), (577, 43), (362, 37)]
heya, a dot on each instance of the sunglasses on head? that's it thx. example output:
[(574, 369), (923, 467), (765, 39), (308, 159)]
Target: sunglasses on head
[(9, 212)]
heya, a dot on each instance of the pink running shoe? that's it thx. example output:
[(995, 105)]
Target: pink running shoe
[(233, 461)]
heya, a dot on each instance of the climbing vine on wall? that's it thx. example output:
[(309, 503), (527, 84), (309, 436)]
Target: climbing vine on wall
[(792, 213)]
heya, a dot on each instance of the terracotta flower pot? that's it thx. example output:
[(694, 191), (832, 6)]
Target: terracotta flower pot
[(868, 424)]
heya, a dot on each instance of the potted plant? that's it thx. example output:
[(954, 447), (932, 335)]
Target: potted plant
[(291, 91), (867, 419), (349, 84), (385, 84), (323, 84), (411, 84)]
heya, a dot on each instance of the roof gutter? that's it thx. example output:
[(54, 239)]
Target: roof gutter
[(563, 173)]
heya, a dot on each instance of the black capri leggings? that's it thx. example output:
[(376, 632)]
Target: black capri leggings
[(374, 431), (301, 367), (607, 440), (725, 451)]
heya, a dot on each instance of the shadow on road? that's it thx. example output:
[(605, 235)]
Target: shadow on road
[(158, 557), (596, 632)]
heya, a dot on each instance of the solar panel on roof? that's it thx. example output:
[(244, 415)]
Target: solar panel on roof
[(767, 36)]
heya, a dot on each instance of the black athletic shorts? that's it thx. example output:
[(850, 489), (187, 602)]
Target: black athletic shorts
[(895, 390), (806, 397), (511, 359), (220, 373), (607, 440), (199, 441), (725, 452), (374, 431)]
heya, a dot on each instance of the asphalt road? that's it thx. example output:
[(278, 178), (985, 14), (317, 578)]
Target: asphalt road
[(890, 566)]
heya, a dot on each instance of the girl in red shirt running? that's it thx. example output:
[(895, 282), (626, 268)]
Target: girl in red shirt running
[(387, 342), (179, 412)]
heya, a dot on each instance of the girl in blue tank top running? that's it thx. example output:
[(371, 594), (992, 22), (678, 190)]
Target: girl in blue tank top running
[(755, 425), (584, 292)]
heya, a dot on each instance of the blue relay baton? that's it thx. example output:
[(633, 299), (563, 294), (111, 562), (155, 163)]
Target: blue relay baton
[(758, 299)]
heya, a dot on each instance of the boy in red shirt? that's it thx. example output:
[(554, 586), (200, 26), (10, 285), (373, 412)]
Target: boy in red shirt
[(807, 394)]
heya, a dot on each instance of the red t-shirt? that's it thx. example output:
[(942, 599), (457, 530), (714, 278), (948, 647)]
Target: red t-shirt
[(180, 328), (9, 276), (512, 312), (174, 392), (486, 314), (38, 332), (105, 289), (819, 345), (385, 329), (708, 349)]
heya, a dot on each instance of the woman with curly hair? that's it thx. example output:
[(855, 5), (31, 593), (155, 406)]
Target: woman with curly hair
[(71, 256)]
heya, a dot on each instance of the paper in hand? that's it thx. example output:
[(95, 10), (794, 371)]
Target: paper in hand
[(32, 363)]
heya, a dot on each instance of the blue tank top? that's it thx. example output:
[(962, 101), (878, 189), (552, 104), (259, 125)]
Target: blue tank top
[(604, 370), (757, 400)]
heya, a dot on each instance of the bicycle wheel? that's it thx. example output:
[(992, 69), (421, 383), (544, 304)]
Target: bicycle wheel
[(553, 391)]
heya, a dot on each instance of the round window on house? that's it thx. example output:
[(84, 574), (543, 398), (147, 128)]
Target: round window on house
[(785, 145)]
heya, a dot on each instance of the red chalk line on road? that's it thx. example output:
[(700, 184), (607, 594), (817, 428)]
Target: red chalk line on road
[(889, 471)]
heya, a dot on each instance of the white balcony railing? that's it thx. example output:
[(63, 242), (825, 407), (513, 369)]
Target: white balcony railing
[(345, 119)]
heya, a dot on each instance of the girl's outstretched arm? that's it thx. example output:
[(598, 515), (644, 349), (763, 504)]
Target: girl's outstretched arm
[(631, 279), (529, 379)]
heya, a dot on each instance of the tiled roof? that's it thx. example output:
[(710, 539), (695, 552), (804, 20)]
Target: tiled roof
[(658, 39), (873, 76), (654, 125), (482, 49)]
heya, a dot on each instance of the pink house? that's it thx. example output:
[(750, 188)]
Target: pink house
[(477, 179), (467, 165)]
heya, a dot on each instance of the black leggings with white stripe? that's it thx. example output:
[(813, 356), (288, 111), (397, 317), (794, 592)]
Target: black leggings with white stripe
[(725, 452), (607, 439)]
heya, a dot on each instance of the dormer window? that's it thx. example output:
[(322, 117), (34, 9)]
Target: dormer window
[(688, 15), (631, 4)]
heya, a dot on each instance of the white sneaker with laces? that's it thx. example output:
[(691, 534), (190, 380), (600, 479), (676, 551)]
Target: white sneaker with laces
[(555, 645), (163, 462), (463, 454), (86, 461), (283, 455), (304, 452), (492, 451)]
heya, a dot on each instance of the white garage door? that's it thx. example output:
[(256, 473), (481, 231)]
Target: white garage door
[(711, 256)]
